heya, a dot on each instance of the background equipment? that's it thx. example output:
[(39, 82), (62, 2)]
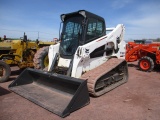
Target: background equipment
[(20, 52), (148, 54)]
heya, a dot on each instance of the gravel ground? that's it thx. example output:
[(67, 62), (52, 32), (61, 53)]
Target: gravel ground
[(138, 99)]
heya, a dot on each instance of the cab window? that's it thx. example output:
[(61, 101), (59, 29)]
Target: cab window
[(94, 29)]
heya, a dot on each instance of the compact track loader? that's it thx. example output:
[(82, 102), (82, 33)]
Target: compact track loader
[(85, 61)]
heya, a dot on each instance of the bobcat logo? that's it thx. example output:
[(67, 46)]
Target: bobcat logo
[(86, 50)]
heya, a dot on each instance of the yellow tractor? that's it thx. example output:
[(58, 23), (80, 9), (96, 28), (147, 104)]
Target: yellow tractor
[(21, 52)]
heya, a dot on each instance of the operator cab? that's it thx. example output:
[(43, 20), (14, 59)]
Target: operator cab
[(78, 29)]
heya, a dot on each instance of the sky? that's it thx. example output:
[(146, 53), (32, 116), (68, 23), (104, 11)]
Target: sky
[(41, 18)]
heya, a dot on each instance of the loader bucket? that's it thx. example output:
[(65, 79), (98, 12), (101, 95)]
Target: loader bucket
[(59, 94)]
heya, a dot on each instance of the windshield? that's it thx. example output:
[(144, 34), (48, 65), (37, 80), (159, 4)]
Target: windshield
[(71, 34)]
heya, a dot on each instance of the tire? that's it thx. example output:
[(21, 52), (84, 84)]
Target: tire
[(41, 58), (5, 71), (146, 64)]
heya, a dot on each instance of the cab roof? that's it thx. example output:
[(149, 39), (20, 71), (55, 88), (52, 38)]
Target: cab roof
[(83, 13)]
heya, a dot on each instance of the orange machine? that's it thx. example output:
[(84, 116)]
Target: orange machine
[(148, 54)]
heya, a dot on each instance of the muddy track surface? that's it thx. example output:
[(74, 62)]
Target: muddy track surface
[(138, 99)]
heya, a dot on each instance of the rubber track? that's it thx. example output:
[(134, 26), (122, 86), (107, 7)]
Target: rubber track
[(93, 75)]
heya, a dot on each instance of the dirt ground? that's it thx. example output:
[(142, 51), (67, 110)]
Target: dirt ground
[(138, 99)]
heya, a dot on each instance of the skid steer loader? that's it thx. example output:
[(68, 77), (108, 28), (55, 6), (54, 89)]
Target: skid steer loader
[(85, 61)]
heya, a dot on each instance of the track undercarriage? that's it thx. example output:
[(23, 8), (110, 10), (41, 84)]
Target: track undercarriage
[(106, 77)]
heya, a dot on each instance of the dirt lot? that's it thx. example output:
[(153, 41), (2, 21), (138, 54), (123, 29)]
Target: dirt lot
[(139, 99)]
